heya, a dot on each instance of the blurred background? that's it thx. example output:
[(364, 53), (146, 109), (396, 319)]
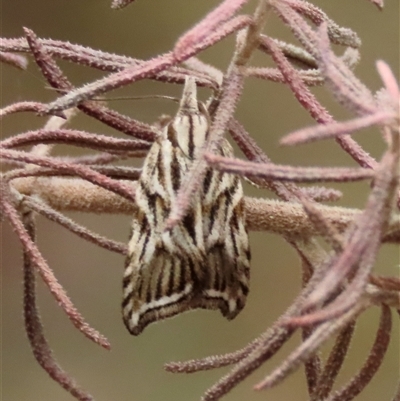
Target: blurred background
[(133, 369)]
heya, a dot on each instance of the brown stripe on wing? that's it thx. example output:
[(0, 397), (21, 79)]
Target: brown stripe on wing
[(191, 137), (175, 172), (227, 288)]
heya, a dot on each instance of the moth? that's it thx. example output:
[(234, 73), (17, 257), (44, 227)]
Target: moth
[(203, 261)]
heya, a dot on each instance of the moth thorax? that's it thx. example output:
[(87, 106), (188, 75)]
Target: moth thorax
[(191, 132)]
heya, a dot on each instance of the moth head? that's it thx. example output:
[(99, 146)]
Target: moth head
[(189, 102), (189, 129)]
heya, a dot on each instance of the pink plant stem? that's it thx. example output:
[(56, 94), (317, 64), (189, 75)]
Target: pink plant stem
[(47, 275)]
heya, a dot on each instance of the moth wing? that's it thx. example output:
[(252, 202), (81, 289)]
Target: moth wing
[(163, 270), (203, 262), (156, 290), (227, 245)]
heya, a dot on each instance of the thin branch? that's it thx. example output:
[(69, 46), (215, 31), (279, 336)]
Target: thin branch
[(334, 363), (308, 347), (74, 137), (373, 362), (76, 169), (288, 173), (37, 260), (81, 231), (34, 328)]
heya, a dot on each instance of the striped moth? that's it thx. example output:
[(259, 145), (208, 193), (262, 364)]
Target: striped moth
[(203, 261)]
